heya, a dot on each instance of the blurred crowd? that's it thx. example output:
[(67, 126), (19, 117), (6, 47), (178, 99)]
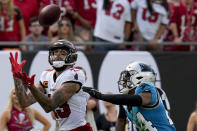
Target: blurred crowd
[(114, 21)]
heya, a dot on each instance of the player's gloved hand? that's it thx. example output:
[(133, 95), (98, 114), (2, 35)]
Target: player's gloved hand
[(93, 92), (28, 81), (16, 67)]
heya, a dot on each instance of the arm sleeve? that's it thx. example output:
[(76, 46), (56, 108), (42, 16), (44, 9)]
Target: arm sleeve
[(122, 99)]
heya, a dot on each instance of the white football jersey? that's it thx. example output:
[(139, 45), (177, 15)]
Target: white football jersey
[(110, 24), (149, 25), (72, 113)]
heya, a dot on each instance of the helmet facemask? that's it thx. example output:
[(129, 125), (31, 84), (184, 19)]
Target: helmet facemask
[(70, 58), (133, 75), (125, 81)]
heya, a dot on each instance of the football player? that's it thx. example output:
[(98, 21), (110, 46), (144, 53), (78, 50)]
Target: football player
[(59, 90), (141, 101)]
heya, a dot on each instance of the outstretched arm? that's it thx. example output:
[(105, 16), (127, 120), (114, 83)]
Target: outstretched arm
[(25, 99), (60, 96), (16, 68), (121, 99)]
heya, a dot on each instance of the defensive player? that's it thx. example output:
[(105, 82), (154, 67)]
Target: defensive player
[(140, 99), (59, 90)]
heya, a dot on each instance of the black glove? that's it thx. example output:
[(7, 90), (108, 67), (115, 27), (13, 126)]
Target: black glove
[(93, 92)]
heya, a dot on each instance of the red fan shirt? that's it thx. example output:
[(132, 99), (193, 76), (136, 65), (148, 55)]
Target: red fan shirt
[(19, 121), (9, 28), (186, 21), (87, 9), (29, 9)]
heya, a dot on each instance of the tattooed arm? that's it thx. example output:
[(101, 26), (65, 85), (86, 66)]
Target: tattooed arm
[(60, 96), (25, 99)]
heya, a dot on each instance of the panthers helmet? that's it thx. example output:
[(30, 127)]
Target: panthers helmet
[(133, 75), (69, 60)]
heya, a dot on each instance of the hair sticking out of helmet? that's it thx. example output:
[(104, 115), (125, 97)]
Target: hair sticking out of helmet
[(70, 59), (134, 74)]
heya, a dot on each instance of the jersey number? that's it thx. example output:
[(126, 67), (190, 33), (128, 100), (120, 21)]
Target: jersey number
[(3, 27), (62, 111), (118, 13), (152, 18)]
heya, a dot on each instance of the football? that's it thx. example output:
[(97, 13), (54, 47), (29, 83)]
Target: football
[(49, 15)]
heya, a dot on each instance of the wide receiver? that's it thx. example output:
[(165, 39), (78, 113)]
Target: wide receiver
[(141, 101), (59, 90)]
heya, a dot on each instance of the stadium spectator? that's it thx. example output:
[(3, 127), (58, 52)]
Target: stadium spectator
[(59, 90), (29, 9), (84, 12), (182, 25), (16, 118), (12, 25), (107, 120), (112, 24), (140, 99), (65, 31), (35, 36), (150, 19), (86, 36), (192, 121)]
